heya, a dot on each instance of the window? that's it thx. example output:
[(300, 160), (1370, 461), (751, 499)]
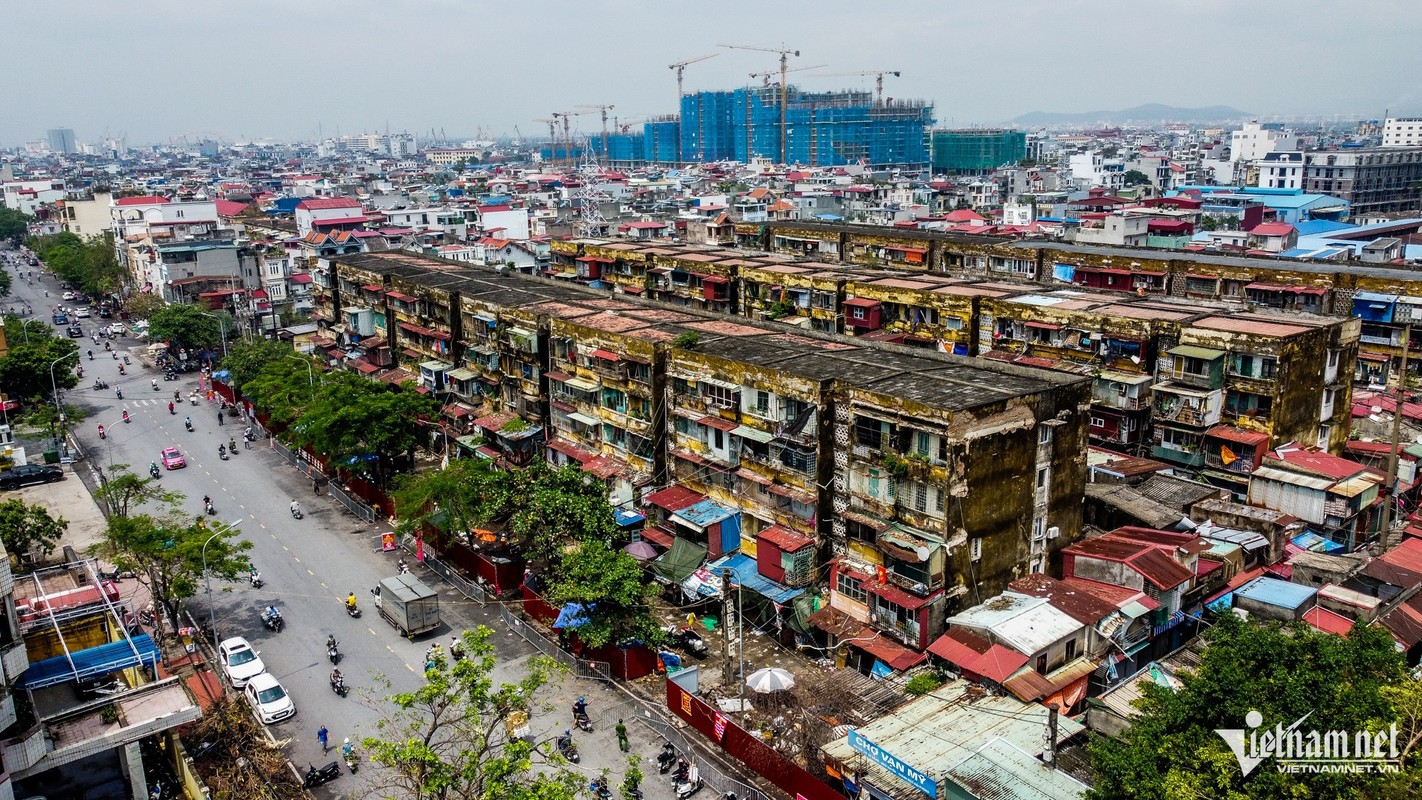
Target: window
[(762, 403), (721, 396), (1044, 434), (1070, 649), (1098, 422), (856, 312), (1038, 566), (953, 323), (851, 588), (975, 550), (1042, 478)]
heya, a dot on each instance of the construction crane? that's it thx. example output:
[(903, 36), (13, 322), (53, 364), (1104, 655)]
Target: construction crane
[(603, 109), (878, 79), (680, 68), (566, 117), (766, 76), (552, 121), (785, 54)]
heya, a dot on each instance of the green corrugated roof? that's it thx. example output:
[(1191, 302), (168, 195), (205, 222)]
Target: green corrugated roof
[(1191, 351)]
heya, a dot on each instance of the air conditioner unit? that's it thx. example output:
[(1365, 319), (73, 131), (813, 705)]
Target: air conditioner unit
[(1053, 532)]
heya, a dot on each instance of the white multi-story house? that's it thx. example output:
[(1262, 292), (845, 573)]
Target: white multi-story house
[(26, 196), (326, 214), (1281, 170), (1402, 132), (448, 222), (1254, 141)]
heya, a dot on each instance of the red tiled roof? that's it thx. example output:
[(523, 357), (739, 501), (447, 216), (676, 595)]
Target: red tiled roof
[(1080, 605), (1405, 622), (658, 536), (1316, 462), (1328, 621), (784, 538), (300, 277), (1239, 435), (230, 208), (569, 449), (1272, 229), (899, 597), (963, 648), (493, 422), (1118, 595), (863, 302), (311, 203), (674, 498)]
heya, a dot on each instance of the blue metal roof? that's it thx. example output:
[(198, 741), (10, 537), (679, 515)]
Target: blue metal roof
[(705, 513), (1318, 227), (745, 574), (1374, 297), (91, 662), (1275, 592)]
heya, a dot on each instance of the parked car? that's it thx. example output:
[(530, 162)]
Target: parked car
[(239, 661), (15, 477), (173, 458), (269, 698)]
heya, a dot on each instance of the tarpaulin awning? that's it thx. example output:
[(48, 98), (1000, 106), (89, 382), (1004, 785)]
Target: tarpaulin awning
[(91, 662), (554, 375), (677, 564), (1191, 351), (571, 616), (744, 574), (702, 515), (581, 384)]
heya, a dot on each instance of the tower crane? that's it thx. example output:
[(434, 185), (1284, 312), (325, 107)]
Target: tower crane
[(552, 121), (566, 117), (878, 79), (603, 109), (785, 54), (680, 68), (766, 76)]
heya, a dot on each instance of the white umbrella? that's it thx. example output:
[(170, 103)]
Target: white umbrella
[(770, 679)]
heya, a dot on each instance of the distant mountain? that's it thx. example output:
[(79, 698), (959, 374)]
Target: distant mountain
[(1150, 112)]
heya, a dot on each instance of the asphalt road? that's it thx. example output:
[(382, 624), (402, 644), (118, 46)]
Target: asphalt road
[(309, 566)]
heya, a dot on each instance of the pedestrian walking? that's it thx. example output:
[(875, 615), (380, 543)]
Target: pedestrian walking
[(321, 737), (315, 485), (621, 736)]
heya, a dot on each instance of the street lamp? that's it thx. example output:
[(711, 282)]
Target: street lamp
[(54, 387), (310, 379), (222, 325), (207, 576)]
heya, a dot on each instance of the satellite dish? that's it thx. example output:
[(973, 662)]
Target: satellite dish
[(921, 552)]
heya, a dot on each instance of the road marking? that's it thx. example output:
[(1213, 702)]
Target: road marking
[(372, 633), (293, 558), (309, 572), (287, 549), (265, 527), (324, 586), (239, 505), (410, 668)]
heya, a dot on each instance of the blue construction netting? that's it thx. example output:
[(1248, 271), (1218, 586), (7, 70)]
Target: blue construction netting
[(94, 661)]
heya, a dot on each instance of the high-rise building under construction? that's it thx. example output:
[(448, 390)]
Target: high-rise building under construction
[(820, 128)]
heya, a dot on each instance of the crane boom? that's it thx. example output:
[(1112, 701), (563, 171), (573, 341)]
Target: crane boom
[(785, 53), (766, 76), (680, 68), (878, 79)]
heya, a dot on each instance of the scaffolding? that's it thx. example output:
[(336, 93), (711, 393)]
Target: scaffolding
[(822, 128), (661, 140), (977, 150)]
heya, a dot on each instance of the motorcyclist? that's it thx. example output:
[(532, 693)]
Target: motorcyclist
[(331, 641), (101, 431), (580, 708), (177, 395), (188, 423), (337, 679), (221, 451), (270, 613), (155, 384), (153, 468), (350, 600), (170, 409), (565, 742), (119, 392), (91, 355), (295, 508)]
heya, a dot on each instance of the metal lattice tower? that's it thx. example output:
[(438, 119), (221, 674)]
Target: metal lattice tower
[(591, 223)]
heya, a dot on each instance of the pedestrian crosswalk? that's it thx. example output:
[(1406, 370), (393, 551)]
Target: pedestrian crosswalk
[(158, 402)]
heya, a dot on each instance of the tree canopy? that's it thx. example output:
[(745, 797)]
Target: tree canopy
[(14, 224), (25, 369), (166, 553), (358, 422), (88, 264), (613, 589), (246, 360), (124, 490), (1135, 178), (144, 305), (449, 739), (25, 527), (1172, 751), (283, 388), (190, 326)]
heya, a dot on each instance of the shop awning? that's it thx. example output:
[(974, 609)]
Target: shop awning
[(862, 302), (895, 655), (718, 423), (606, 355), (753, 434), (784, 538), (584, 419)]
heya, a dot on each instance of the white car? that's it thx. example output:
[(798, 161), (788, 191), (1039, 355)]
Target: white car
[(268, 697), (68, 295), (240, 661), (82, 312)]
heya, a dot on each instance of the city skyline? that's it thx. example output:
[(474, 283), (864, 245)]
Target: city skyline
[(288, 72)]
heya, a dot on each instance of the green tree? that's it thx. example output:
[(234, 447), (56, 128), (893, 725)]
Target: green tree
[(449, 739), (144, 305), (1172, 751), (1135, 178), (19, 330), (467, 494), (613, 588), (353, 418), (547, 509), (24, 527), (282, 389), (166, 553), (25, 370), (14, 224), (89, 264), (247, 360), (188, 325), (124, 490)]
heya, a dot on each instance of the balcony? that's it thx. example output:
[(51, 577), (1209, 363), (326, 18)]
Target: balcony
[(907, 633), (1176, 454), (15, 661), (1113, 398)]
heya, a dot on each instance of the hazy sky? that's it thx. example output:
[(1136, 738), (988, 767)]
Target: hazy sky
[(155, 69)]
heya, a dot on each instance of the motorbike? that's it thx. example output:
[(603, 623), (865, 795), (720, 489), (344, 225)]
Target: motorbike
[(683, 768), (296, 512), (599, 789), (689, 788), (170, 376), (316, 777), (193, 398), (126, 361), (353, 611), (273, 622), (333, 653), (630, 791), (232, 446), (121, 372), (352, 760), (222, 452), (569, 750), (582, 721), (153, 470), (155, 384), (99, 385), (338, 685), (145, 617), (210, 509), (402, 567), (188, 423), (125, 417), (102, 434), (119, 392), (255, 578), (666, 758), (687, 640)]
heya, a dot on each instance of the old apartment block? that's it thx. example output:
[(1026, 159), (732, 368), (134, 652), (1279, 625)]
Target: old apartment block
[(907, 479)]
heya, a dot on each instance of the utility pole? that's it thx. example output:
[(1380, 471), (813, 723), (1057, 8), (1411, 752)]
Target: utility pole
[(730, 621), (1389, 489), (1049, 752)]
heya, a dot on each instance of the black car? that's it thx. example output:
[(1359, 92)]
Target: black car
[(15, 477), (75, 332)]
